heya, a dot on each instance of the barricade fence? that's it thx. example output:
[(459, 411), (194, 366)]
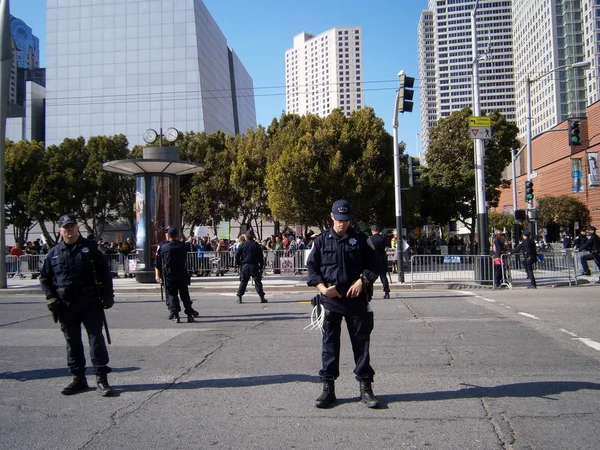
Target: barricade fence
[(554, 266), (450, 268)]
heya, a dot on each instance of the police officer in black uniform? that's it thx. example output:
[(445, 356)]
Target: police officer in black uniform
[(250, 258), (341, 265), (171, 268), (529, 255), (592, 245), (69, 277), (380, 243)]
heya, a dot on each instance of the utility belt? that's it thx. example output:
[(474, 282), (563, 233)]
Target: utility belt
[(71, 293)]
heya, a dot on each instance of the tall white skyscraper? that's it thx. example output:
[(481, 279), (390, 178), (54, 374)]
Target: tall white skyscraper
[(324, 72), (445, 59), (550, 36), (122, 66)]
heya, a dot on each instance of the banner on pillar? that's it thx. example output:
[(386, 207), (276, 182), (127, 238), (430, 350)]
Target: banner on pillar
[(577, 182), (593, 176)]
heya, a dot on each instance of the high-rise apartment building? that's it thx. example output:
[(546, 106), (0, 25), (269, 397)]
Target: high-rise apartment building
[(26, 52), (445, 59), (549, 37), (324, 72), (122, 66)]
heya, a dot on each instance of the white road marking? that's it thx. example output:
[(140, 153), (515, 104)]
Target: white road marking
[(570, 333), (531, 316), (593, 344)]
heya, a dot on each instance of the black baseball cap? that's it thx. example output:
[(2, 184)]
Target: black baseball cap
[(66, 220), (171, 231), (342, 210), (526, 233), (374, 228), (591, 228)]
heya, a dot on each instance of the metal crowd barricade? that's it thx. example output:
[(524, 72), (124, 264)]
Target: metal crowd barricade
[(12, 266), (554, 266), (451, 268), (30, 265)]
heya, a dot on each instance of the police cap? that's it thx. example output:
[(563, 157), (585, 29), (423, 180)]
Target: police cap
[(342, 210), (172, 232), (374, 228), (526, 233), (66, 220), (591, 228)]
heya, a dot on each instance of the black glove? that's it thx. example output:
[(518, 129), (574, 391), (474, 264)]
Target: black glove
[(52, 304), (108, 300)]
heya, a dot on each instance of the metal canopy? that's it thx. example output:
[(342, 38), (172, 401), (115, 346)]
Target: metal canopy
[(152, 166)]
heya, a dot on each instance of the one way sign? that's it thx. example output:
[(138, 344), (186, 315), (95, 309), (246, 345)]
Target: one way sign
[(480, 132)]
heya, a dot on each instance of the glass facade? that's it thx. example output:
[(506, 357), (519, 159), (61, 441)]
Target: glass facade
[(122, 66)]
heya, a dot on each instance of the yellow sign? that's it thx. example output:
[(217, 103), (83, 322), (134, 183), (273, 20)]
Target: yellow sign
[(475, 121)]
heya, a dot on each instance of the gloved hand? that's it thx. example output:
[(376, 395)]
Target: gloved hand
[(108, 301), (52, 304)]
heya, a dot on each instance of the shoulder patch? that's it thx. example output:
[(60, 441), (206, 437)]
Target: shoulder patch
[(370, 242)]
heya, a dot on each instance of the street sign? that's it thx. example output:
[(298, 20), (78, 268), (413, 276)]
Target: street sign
[(475, 121), (480, 132)]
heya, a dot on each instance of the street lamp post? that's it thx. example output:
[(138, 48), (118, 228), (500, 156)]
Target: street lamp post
[(528, 81)]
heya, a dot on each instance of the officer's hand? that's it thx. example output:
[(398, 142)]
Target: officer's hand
[(331, 292), (108, 301), (355, 289), (158, 280), (52, 304)]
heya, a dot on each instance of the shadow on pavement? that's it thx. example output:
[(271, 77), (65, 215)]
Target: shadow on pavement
[(541, 389), (223, 383), (42, 374)]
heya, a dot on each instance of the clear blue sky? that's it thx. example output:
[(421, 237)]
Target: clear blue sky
[(261, 31)]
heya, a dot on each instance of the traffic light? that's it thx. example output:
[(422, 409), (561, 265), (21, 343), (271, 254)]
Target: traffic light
[(574, 138), (414, 172), (529, 191), (405, 94)]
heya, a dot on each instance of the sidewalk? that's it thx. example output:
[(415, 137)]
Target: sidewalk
[(288, 283)]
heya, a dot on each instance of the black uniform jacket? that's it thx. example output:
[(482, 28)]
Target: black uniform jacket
[(340, 261), (172, 258), (592, 245), (528, 247), (68, 273), (380, 244), (250, 252)]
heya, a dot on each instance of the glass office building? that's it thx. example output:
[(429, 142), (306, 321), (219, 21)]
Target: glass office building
[(122, 66)]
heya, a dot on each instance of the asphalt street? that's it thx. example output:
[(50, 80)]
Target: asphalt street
[(455, 369)]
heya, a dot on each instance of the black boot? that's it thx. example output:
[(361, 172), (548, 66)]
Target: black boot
[(79, 384), (327, 397), (263, 299), (194, 313), (386, 295), (239, 299), (190, 318), (104, 388), (367, 396)]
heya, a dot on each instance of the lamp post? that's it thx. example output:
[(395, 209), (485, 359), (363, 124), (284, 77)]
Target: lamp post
[(528, 81)]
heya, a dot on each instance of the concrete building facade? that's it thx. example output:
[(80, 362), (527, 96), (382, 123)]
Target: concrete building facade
[(324, 72), (445, 59), (123, 66)]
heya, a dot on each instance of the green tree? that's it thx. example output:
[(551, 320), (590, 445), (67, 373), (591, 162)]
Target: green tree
[(563, 210), (23, 161), (449, 191)]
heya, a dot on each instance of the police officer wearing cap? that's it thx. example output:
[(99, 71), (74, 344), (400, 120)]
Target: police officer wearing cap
[(69, 277), (592, 245), (380, 244), (250, 258), (171, 268), (341, 265), (530, 257)]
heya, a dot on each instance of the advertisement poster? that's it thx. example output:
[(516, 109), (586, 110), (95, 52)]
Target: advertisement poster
[(592, 159), (577, 182)]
